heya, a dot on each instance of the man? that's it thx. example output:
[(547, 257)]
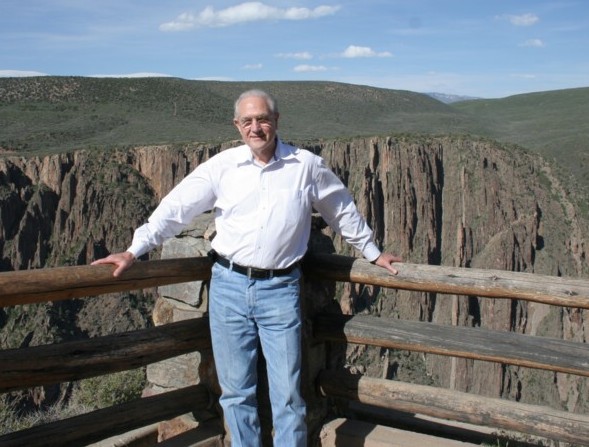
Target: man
[(262, 194)]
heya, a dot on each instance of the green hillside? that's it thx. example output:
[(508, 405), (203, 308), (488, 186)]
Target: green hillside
[(49, 114), (56, 114), (553, 123)]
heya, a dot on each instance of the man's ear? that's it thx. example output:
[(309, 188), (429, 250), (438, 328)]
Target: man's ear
[(276, 116)]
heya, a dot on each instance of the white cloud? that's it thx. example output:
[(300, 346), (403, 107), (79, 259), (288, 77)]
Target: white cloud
[(183, 22), (19, 73), (300, 55), (522, 19), (309, 68), (532, 43), (356, 51), (252, 67), (244, 12)]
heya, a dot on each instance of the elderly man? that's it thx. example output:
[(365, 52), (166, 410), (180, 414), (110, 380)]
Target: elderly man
[(262, 193)]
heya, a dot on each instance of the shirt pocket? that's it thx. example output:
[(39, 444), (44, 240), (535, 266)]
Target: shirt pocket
[(290, 206)]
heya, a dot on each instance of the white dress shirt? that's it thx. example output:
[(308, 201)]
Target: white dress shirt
[(262, 213)]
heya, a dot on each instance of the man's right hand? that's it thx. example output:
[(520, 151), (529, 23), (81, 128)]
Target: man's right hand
[(122, 261)]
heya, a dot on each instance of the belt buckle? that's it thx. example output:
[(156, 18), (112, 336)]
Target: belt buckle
[(253, 272)]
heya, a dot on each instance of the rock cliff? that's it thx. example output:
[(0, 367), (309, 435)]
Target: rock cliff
[(468, 203), (451, 201)]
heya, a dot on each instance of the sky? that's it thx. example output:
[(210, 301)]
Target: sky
[(478, 48)]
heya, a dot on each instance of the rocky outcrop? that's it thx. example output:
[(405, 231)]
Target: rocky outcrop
[(449, 200), (67, 209)]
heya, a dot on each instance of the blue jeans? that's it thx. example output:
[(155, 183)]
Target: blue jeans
[(243, 312)]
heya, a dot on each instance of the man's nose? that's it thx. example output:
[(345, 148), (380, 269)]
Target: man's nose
[(256, 126)]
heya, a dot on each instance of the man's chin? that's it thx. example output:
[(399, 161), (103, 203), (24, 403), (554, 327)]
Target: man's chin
[(258, 144)]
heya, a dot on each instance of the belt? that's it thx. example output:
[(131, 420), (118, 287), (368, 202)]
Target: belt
[(251, 272)]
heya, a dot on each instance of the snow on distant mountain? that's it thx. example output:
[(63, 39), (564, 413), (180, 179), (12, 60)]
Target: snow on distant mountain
[(449, 99)]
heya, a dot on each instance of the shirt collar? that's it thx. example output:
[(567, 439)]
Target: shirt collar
[(283, 151)]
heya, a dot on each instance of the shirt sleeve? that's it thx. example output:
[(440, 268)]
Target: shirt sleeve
[(336, 205), (193, 196)]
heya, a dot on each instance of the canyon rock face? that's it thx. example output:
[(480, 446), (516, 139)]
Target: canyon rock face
[(468, 203), (452, 201)]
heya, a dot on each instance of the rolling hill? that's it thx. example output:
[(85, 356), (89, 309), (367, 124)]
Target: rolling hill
[(52, 114), (57, 114), (552, 123)]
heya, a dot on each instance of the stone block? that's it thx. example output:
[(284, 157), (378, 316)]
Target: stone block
[(163, 312), (190, 293), (176, 372)]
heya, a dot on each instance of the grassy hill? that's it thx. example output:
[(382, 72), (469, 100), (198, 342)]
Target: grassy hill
[(553, 123), (57, 114), (49, 114)]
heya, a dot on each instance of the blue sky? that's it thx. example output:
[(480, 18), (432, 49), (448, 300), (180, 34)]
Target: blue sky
[(478, 48)]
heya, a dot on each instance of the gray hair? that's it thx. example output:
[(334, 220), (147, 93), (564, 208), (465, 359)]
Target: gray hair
[(270, 101)]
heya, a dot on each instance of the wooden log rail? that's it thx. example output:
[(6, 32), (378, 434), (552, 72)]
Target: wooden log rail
[(57, 363), (101, 424), (62, 283), (35, 286), (557, 291), (473, 343), (457, 406)]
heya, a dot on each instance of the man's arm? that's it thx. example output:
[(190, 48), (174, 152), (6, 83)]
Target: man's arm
[(336, 205), (191, 197)]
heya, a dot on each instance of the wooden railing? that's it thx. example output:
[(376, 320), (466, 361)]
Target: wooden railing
[(43, 365)]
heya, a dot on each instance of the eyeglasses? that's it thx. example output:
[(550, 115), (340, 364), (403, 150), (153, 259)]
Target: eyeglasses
[(263, 121)]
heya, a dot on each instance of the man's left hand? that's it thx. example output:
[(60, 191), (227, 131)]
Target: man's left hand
[(386, 259)]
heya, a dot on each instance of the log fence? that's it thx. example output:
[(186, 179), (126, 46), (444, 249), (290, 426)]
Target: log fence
[(43, 365)]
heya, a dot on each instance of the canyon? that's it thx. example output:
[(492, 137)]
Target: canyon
[(448, 200)]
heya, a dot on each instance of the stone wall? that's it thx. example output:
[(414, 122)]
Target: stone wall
[(179, 302)]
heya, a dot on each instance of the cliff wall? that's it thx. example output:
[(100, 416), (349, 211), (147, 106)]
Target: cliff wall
[(450, 201), (467, 203)]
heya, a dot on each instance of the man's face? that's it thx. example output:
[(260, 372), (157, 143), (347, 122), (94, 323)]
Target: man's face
[(256, 124)]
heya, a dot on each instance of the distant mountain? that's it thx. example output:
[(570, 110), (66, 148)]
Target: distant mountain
[(449, 99)]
